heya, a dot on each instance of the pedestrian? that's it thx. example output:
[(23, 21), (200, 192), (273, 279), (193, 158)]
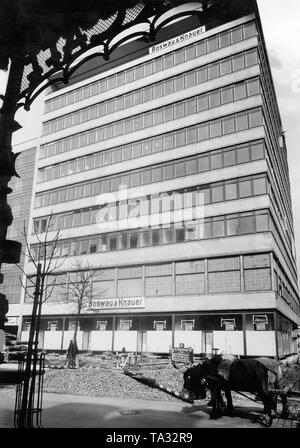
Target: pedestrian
[(72, 354)]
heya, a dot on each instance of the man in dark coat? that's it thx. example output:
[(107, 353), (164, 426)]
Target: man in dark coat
[(72, 353)]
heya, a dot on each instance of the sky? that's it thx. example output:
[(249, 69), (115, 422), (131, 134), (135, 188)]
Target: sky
[(280, 20)]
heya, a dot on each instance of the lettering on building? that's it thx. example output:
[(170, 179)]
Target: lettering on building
[(177, 40), (109, 304)]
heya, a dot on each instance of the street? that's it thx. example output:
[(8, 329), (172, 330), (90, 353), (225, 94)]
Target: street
[(71, 411)]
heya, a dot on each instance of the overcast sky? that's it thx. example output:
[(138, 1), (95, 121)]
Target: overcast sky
[(281, 24)]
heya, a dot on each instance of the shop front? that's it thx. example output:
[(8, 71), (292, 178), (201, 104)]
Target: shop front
[(242, 334)]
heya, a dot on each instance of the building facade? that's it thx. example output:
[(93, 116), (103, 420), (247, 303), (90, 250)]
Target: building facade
[(165, 169)]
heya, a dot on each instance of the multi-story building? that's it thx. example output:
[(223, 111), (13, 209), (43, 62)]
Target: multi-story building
[(166, 170)]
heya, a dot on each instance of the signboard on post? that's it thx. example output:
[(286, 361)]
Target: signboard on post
[(182, 355)]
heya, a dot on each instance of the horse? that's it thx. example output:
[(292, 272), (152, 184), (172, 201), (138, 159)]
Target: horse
[(248, 375)]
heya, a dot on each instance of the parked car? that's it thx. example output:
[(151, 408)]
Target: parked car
[(12, 349)]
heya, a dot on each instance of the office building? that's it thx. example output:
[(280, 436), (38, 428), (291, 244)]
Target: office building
[(165, 168)]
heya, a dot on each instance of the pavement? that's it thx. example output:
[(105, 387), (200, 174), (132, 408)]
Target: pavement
[(72, 411)]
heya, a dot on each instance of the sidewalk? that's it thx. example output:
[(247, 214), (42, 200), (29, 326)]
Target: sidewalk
[(70, 411)]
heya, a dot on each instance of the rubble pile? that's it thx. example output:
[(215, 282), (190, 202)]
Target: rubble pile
[(110, 383)]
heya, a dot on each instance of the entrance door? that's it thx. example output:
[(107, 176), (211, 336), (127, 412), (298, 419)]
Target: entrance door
[(142, 341), (207, 342)]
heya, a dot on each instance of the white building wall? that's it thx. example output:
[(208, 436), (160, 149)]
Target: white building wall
[(101, 340), (228, 342), (191, 339)]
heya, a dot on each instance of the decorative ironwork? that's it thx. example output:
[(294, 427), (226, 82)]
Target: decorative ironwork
[(62, 40)]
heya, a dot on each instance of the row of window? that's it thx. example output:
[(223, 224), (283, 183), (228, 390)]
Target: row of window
[(212, 129), (284, 288), (209, 161), (215, 227), (158, 116), (152, 145), (182, 322), (182, 200), (278, 153), (163, 142), (174, 283), (215, 98), (156, 65), (154, 91)]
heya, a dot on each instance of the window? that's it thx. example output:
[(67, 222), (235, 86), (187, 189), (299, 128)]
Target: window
[(201, 47), (157, 90), (180, 169), (259, 186), (202, 75), (243, 154), (245, 188), (238, 62), (229, 157), (191, 106), (240, 91), (217, 193), (156, 174), (253, 87), (241, 121), (237, 35), (257, 151), (191, 166), (224, 39), (190, 79), (218, 227), (179, 110), (156, 237), (179, 56), (112, 243), (179, 234), (190, 52), (216, 160), (247, 224), (225, 67), (215, 128), (213, 71), (169, 60), (133, 241), (262, 222), (232, 225), (84, 247), (168, 172), (228, 125), (179, 83), (251, 58), (212, 43), (227, 95), (214, 99), (230, 191), (191, 135), (255, 118), (202, 102), (136, 150)]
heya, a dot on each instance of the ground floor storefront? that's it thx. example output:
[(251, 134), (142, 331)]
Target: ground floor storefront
[(262, 333)]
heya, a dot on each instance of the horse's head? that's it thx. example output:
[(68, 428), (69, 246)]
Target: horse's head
[(194, 382)]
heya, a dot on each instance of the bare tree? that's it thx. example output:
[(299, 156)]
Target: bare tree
[(44, 254), (80, 289)]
